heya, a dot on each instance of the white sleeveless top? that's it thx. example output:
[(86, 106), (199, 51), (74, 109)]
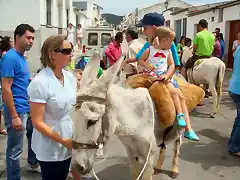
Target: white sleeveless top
[(159, 59)]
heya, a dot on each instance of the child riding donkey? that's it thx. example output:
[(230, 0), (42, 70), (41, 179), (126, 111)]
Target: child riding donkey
[(158, 62)]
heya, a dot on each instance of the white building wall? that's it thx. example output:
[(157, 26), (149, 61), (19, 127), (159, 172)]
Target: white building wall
[(193, 21), (19, 13), (159, 8)]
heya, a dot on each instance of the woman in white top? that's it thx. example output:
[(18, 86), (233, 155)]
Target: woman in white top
[(236, 43), (70, 33), (52, 94), (79, 36)]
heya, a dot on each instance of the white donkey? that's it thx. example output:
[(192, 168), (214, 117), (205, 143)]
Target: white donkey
[(105, 108), (208, 72)]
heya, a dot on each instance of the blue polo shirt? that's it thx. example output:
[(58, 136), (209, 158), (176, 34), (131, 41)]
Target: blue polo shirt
[(234, 84), (14, 65), (173, 50)]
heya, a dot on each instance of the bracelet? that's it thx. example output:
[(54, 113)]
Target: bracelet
[(14, 117)]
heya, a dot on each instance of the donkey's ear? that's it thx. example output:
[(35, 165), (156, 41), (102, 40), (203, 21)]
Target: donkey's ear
[(111, 73), (90, 71)]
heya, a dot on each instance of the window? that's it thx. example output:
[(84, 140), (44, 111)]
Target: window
[(93, 39), (184, 27), (220, 15), (49, 12), (212, 19), (168, 23), (105, 39), (67, 14)]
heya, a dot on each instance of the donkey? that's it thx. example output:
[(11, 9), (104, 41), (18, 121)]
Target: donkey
[(209, 72), (104, 108)]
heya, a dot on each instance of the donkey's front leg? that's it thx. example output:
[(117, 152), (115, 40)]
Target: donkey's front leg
[(148, 172), (175, 162), (160, 161)]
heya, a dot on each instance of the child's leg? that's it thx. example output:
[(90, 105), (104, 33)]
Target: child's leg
[(189, 133), (177, 103)]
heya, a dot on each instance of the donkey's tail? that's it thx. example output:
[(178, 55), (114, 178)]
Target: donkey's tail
[(220, 78)]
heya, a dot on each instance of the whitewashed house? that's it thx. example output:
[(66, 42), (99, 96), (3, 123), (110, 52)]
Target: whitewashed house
[(48, 17), (89, 13)]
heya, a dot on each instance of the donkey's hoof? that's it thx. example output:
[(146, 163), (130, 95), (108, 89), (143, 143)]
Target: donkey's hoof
[(156, 171), (174, 175), (212, 115)]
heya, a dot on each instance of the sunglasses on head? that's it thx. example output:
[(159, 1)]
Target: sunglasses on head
[(66, 51)]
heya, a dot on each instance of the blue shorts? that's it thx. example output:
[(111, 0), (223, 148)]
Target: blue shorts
[(175, 84)]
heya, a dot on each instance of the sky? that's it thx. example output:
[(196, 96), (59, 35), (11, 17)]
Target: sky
[(122, 7)]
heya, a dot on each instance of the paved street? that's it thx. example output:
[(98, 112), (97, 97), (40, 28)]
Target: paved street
[(207, 159)]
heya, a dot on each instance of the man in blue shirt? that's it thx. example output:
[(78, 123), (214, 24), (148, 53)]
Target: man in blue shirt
[(234, 91), (15, 80)]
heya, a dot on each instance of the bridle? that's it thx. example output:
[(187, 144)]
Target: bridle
[(100, 140)]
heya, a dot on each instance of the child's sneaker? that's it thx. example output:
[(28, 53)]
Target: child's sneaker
[(181, 121)]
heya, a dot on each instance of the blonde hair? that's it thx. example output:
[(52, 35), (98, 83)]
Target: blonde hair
[(164, 32), (52, 43)]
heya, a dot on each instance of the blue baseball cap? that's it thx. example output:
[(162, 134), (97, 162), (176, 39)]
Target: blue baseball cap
[(151, 19)]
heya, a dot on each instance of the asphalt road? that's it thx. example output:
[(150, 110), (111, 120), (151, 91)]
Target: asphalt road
[(207, 159)]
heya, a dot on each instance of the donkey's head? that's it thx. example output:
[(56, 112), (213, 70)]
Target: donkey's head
[(90, 109)]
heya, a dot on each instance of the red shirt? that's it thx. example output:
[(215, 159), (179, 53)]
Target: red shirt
[(217, 49), (113, 52)]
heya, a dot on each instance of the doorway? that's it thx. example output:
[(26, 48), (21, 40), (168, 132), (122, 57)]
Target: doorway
[(178, 29)]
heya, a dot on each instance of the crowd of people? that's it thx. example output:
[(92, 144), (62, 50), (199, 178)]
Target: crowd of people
[(37, 105)]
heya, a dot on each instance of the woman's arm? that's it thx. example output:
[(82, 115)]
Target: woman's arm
[(37, 115)]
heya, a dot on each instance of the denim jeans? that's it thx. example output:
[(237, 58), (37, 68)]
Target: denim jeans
[(234, 141), (15, 145)]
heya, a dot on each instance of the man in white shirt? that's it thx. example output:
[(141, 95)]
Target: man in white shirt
[(134, 46)]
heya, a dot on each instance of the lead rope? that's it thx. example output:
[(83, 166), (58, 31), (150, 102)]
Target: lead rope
[(100, 149)]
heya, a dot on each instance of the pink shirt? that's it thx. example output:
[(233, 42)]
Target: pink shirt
[(113, 52)]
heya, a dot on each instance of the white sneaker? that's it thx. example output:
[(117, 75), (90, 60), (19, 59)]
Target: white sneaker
[(236, 154), (35, 168)]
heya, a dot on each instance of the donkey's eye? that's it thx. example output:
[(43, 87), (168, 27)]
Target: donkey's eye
[(91, 123)]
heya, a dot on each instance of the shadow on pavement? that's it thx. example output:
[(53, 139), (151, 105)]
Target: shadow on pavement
[(118, 171), (209, 155), (227, 101)]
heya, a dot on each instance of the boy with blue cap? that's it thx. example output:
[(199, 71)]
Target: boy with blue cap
[(150, 22)]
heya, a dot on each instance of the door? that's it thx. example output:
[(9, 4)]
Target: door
[(178, 30), (234, 29)]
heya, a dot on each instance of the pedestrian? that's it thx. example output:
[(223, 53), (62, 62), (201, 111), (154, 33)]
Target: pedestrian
[(180, 46), (15, 80), (234, 92), (70, 33), (6, 45), (52, 94), (222, 43), (79, 36), (134, 46), (217, 46), (114, 50)]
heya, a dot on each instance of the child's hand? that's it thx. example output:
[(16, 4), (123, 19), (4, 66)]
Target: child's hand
[(163, 77), (150, 67)]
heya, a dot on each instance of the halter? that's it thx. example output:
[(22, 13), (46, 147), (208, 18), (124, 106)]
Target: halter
[(100, 140)]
